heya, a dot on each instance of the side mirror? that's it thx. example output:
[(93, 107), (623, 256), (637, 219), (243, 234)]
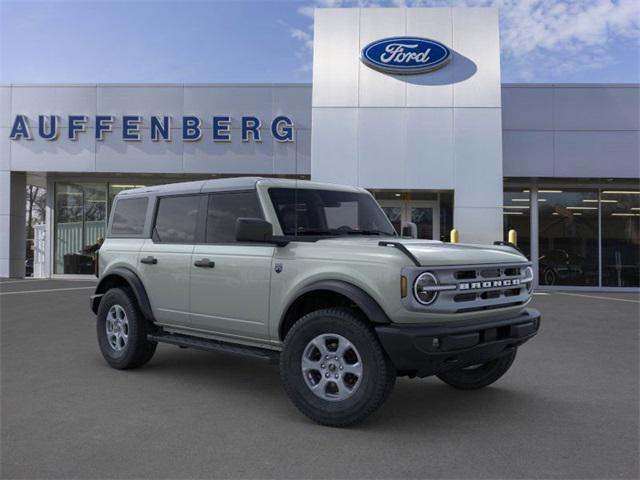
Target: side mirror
[(409, 230), (253, 230)]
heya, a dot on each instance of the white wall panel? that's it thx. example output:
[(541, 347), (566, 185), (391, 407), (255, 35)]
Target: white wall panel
[(527, 153), (284, 156), (207, 156), (145, 156), (334, 145), (5, 107), (377, 89), (527, 108), (478, 225), (434, 89), (335, 57), (597, 108), (62, 155), (429, 148), (5, 149), (50, 100), (478, 157), (303, 152), (205, 102), (142, 100), (294, 102), (597, 154), (477, 45), (382, 142)]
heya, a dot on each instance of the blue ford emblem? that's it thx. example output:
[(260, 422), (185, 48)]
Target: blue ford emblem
[(405, 55)]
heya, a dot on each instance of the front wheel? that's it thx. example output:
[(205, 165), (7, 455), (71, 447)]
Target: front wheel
[(479, 376), (334, 369)]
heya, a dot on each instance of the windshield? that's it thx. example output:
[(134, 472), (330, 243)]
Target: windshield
[(328, 212)]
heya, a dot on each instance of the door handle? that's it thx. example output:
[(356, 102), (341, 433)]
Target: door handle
[(149, 260), (204, 263)]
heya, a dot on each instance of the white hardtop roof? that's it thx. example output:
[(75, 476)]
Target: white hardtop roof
[(235, 183)]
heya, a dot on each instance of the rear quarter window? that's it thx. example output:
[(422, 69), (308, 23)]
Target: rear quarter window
[(129, 215)]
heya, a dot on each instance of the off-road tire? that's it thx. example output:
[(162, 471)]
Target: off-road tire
[(138, 350), (480, 377), (378, 376)]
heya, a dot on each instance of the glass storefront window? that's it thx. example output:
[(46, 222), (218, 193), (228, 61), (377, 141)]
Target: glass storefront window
[(80, 223), (620, 238), (446, 216), (517, 216), (568, 237)]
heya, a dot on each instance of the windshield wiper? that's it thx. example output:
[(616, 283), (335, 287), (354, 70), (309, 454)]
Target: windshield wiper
[(338, 231), (368, 232), (316, 231)]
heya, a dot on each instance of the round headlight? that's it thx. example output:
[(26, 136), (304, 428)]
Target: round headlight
[(528, 273), (423, 288)]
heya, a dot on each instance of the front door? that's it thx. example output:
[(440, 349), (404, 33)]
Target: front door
[(230, 280), (424, 213)]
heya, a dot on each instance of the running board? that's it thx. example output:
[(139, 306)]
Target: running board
[(211, 345)]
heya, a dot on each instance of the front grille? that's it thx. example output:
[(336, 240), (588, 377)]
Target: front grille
[(468, 289)]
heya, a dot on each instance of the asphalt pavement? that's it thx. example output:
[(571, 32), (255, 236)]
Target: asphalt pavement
[(568, 408)]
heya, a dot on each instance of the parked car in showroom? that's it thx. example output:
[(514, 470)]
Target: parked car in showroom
[(312, 276)]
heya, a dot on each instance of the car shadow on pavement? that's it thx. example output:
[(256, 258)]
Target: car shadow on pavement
[(413, 404)]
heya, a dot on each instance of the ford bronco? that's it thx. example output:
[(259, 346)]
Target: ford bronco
[(312, 276)]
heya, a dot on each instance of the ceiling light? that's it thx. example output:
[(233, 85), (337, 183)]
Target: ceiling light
[(549, 191), (542, 199), (625, 214), (515, 206), (519, 199), (514, 213), (621, 192), (582, 208)]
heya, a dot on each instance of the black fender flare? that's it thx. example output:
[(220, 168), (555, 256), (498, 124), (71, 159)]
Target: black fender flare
[(133, 281), (362, 299)]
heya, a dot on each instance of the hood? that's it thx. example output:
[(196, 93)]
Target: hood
[(435, 253)]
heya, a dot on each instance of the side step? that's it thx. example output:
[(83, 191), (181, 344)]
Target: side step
[(211, 345)]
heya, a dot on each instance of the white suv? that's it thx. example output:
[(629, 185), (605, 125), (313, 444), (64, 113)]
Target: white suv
[(313, 276)]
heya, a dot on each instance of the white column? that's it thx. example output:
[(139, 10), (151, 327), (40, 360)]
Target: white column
[(12, 223)]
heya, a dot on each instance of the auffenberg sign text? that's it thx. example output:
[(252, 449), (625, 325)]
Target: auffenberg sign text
[(159, 127)]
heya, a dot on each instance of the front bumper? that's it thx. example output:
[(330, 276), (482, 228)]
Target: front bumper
[(424, 350)]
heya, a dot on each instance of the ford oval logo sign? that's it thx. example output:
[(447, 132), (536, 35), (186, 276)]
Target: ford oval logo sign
[(405, 55)]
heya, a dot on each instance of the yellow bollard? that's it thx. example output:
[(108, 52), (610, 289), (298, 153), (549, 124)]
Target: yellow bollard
[(455, 236), (513, 237)]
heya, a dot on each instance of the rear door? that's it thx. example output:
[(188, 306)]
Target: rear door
[(230, 280), (165, 259)]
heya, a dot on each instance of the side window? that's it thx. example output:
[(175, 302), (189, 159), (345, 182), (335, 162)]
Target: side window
[(176, 219), (129, 215), (225, 209)]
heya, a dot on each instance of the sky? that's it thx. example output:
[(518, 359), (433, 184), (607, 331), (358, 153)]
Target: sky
[(211, 41)]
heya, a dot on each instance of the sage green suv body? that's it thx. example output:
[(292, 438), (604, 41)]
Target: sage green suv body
[(313, 274)]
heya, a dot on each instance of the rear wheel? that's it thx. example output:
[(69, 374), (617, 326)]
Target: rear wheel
[(122, 330), (334, 369), (479, 376)]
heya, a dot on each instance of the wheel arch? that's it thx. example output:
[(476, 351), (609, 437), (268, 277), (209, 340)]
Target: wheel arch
[(122, 276), (329, 293)]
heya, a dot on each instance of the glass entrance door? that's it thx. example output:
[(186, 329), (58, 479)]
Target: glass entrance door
[(424, 213)]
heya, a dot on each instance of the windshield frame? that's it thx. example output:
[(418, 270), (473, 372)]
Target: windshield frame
[(383, 227)]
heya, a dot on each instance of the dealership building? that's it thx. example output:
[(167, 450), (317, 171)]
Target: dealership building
[(444, 145)]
